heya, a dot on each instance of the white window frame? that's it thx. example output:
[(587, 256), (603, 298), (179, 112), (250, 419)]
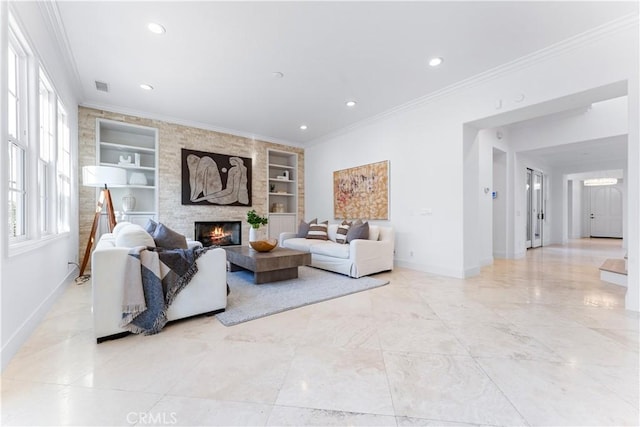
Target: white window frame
[(63, 171), (46, 154), (18, 144)]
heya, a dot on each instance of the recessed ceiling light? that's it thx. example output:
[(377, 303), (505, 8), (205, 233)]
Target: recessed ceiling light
[(156, 28), (350, 103), (146, 86), (434, 62), (303, 127)]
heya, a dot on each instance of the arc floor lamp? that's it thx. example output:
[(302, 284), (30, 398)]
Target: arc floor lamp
[(101, 177)]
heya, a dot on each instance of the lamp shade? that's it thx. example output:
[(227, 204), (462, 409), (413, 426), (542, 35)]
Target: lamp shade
[(103, 176)]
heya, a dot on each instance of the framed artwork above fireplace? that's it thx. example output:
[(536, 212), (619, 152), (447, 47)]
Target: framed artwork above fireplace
[(215, 179)]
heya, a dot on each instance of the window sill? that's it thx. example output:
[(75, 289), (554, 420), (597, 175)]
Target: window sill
[(25, 246)]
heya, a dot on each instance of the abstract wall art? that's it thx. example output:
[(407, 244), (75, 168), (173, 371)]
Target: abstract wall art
[(362, 192), (215, 179)]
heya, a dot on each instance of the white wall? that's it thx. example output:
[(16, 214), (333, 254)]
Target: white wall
[(499, 204), (32, 279), (428, 148)]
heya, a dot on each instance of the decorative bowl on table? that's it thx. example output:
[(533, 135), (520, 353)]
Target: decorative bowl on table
[(264, 245)]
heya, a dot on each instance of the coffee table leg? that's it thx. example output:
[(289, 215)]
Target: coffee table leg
[(234, 267), (276, 275)]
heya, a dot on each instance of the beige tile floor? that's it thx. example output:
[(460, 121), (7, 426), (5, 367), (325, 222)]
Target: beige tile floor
[(536, 341)]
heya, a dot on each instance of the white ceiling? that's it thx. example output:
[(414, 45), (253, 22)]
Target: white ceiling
[(214, 65), (591, 152)]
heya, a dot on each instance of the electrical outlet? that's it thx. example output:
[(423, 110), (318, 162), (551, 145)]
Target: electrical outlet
[(410, 253)]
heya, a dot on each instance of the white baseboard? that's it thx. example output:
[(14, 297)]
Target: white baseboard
[(615, 278), (28, 326), (431, 269)]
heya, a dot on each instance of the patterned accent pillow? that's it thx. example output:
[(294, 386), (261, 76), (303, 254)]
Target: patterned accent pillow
[(318, 231), (303, 228), (341, 234)]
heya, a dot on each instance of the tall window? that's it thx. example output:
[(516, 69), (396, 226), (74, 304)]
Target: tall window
[(46, 145), (17, 146), (64, 172), (38, 162)]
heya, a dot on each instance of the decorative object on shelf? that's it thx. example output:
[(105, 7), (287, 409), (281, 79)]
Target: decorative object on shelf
[(281, 177), (272, 187), (264, 245), (138, 178), (128, 203), (137, 159), (286, 175), (362, 192), (277, 207), (124, 161), (218, 179), (102, 177)]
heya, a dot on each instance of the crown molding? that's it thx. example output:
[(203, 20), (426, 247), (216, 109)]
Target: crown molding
[(188, 123), (51, 13), (572, 43)]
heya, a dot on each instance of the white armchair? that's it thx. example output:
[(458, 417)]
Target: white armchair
[(206, 293)]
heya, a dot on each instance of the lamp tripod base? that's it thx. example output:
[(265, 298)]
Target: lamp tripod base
[(106, 201)]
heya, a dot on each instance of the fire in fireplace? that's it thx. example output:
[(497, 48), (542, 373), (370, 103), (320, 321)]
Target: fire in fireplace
[(220, 233)]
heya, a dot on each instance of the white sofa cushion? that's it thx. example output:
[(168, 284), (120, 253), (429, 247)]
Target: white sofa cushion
[(119, 226), (331, 249), (134, 235), (374, 232), (301, 243)]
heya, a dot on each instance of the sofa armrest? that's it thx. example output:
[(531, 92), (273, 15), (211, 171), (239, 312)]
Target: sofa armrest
[(286, 235), (363, 250), (191, 244)]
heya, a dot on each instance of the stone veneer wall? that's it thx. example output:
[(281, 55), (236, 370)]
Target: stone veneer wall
[(171, 138)]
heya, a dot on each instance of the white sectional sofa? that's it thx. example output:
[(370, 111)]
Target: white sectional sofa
[(355, 259), (205, 293)]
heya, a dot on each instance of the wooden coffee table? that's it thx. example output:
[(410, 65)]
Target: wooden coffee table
[(277, 264)]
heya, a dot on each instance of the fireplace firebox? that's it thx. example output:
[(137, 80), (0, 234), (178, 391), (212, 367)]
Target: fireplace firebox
[(220, 233)]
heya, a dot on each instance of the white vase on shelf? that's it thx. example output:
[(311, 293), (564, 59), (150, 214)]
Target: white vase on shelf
[(138, 178), (128, 203)]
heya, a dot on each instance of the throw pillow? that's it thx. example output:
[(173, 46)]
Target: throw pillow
[(133, 235), (359, 231), (150, 226), (341, 234), (303, 228), (168, 239), (318, 231), (374, 232)]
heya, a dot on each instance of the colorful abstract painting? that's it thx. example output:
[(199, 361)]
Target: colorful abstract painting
[(362, 192)]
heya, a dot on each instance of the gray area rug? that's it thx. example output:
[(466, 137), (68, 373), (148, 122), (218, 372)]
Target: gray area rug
[(248, 301)]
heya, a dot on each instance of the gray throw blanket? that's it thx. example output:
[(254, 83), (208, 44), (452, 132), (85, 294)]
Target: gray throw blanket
[(153, 278)]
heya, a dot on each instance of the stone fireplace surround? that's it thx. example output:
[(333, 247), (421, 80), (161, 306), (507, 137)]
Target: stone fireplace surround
[(171, 138)]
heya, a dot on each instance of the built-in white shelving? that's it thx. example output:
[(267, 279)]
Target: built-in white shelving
[(282, 171), (133, 148)]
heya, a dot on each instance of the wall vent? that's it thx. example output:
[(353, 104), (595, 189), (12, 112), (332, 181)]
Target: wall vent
[(102, 86)]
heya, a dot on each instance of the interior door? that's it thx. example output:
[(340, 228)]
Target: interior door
[(537, 209), (528, 199), (606, 211)]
